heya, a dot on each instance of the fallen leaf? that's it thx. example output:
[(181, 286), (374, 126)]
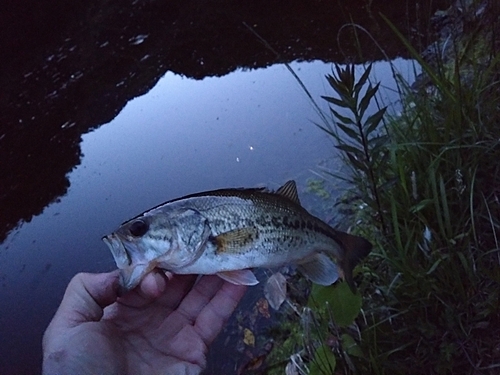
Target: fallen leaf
[(255, 363), (248, 337), (295, 365), (263, 307), (275, 290)]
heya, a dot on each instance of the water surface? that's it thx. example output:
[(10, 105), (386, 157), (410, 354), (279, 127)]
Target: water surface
[(246, 129)]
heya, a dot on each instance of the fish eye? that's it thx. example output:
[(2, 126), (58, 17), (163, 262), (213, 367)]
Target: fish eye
[(138, 228)]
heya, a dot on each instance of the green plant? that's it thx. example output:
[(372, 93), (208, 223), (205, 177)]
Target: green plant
[(360, 138), (326, 331), (330, 336), (430, 178)]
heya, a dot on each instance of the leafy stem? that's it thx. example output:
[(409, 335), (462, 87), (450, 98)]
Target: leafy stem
[(360, 139)]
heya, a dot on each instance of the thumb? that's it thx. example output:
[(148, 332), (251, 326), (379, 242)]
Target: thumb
[(85, 298)]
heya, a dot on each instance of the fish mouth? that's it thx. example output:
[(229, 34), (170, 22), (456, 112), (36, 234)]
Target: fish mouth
[(120, 254)]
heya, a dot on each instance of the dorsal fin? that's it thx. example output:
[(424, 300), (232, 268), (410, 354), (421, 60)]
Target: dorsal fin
[(289, 190)]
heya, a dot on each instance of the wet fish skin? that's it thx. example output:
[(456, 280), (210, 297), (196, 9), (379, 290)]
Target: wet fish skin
[(228, 231)]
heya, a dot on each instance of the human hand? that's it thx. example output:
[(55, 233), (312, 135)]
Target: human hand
[(161, 327)]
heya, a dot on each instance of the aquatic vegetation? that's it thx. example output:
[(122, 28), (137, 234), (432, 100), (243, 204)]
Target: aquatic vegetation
[(317, 186)]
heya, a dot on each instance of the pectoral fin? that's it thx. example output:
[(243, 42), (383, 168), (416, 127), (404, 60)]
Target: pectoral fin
[(319, 269), (236, 241), (239, 277)]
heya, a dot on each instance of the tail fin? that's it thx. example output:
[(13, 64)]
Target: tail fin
[(356, 248)]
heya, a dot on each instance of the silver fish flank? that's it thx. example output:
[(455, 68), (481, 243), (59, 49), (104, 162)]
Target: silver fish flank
[(229, 231)]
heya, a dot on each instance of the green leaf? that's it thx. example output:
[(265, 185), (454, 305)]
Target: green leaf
[(388, 184), (339, 87), (344, 305), (372, 122), (351, 149), (346, 76), (421, 205), (350, 346), (434, 266), (336, 101), (328, 131), (464, 262), (348, 131), (377, 142), (356, 163), (345, 120), (334, 83), (324, 361), (362, 80), (370, 92), (444, 203), (339, 70)]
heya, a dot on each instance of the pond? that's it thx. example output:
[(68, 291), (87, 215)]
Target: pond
[(245, 128)]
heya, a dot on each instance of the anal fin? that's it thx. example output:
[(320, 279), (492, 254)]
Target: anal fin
[(320, 269), (239, 277)]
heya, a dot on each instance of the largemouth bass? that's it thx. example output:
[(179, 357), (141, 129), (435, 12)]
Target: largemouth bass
[(229, 231)]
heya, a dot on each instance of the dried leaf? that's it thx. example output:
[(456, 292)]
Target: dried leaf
[(296, 366), (255, 363), (263, 308), (275, 290), (248, 337), (291, 369)]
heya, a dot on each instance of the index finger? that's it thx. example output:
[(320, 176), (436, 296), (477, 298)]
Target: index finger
[(155, 290), (217, 312)]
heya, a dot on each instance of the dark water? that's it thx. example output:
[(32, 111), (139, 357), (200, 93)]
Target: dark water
[(73, 170)]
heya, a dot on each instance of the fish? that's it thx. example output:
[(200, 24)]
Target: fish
[(229, 232)]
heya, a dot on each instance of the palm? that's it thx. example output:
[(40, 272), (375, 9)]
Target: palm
[(170, 334)]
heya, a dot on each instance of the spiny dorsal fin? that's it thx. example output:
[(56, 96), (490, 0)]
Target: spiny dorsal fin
[(289, 190)]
